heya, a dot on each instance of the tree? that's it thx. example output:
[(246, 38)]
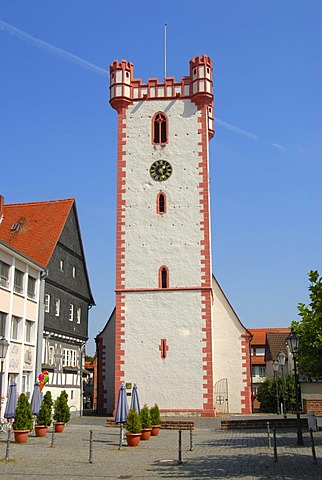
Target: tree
[(267, 394), (309, 329), (23, 417)]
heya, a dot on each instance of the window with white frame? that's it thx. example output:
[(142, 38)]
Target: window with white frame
[(47, 302), (18, 281), (71, 312), (31, 290), (69, 357), (25, 386), (262, 371), (73, 358), (4, 274), (29, 331), (3, 323), (57, 307), (79, 314), (51, 355), (15, 327)]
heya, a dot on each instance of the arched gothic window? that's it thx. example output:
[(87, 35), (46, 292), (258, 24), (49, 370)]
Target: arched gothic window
[(163, 277), (161, 203), (160, 128)]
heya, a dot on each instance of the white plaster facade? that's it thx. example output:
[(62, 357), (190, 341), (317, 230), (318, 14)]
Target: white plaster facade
[(169, 340), (19, 308)]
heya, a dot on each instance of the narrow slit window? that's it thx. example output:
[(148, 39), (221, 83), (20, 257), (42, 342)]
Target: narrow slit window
[(160, 128), (161, 203), (163, 277)]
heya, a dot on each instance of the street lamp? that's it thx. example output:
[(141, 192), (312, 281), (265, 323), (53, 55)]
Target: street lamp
[(4, 344), (275, 368), (293, 345), (281, 360)]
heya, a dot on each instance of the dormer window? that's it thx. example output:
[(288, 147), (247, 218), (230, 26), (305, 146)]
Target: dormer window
[(160, 128)]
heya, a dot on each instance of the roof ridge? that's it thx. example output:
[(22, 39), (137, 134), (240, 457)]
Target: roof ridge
[(63, 200)]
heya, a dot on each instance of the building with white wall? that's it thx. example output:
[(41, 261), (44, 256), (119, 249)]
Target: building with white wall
[(20, 280), (169, 310)]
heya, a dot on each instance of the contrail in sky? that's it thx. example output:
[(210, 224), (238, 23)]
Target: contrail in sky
[(102, 71), (238, 130), (47, 46)]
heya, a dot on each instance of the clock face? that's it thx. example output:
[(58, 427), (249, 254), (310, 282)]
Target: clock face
[(160, 170)]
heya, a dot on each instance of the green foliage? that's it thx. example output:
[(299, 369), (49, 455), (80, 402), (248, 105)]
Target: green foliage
[(309, 329), (44, 415), (61, 408), (267, 394), (155, 415), (133, 422), (145, 417), (23, 417), (48, 399)]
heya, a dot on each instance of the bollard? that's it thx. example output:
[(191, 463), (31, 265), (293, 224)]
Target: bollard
[(8, 444), (268, 436), (190, 437), (53, 436), (90, 446), (179, 462), (275, 445), (313, 447)]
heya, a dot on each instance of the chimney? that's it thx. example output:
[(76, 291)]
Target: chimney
[(1, 207)]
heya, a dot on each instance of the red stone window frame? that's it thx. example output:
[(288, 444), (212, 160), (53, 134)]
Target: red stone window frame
[(163, 277), (161, 203), (160, 129)]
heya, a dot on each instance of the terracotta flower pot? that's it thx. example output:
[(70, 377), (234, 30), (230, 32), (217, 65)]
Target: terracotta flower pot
[(21, 436), (133, 439), (59, 427), (155, 430), (146, 433), (40, 430)]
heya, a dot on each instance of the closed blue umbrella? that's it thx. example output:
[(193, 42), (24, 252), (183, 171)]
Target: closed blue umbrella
[(122, 410), (135, 404), (35, 399), (11, 406)]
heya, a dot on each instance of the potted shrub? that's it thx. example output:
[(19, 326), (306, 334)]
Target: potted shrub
[(133, 428), (61, 411), (155, 420), (23, 419), (145, 422), (43, 419)]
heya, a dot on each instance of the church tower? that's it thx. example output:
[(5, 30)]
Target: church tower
[(164, 296)]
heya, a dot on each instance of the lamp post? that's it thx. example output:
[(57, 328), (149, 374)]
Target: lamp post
[(293, 345), (4, 344), (281, 360), (275, 368)]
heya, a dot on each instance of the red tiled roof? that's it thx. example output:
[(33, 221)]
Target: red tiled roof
[(259, 334), (40, 226)]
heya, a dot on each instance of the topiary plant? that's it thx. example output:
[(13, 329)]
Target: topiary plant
[(23, 416), (44, 415), (145, 417), (155, 415), (61, 408), (133, 422)]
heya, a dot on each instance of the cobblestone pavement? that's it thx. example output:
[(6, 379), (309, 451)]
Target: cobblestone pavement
[(229, 454)]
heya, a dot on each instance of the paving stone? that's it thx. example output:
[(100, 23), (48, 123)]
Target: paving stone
[(220, 454)]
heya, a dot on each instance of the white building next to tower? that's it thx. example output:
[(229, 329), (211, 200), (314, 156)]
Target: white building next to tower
[(172, 326)]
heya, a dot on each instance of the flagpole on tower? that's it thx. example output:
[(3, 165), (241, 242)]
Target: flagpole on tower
[(165, 51)]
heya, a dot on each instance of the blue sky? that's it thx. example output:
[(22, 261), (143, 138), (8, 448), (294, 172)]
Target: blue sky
[(58, 132)]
